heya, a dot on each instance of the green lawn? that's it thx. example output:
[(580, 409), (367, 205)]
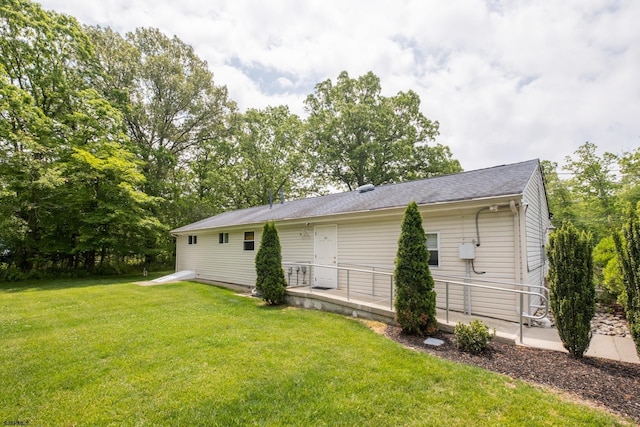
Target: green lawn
[(109, 352)]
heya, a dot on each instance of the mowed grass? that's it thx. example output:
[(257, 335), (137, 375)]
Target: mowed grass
[(114, 353)]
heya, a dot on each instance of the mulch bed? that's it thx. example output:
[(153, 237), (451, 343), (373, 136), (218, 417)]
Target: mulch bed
[(606, 383)]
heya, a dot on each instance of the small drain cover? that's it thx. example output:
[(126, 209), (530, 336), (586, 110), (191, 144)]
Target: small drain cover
[(434, 342)]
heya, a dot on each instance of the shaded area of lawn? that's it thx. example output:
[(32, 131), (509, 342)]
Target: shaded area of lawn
[(192, 354)]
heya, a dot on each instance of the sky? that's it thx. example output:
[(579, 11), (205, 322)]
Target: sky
[(507, 81)]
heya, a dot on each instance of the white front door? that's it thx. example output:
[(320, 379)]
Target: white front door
[(326, 253)]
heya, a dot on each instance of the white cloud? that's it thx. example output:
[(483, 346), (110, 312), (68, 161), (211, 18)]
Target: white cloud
[(507, 80)]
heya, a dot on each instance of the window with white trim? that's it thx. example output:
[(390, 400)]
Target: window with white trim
[(223, 238), (433, 244), (193, 240), (249, 241)]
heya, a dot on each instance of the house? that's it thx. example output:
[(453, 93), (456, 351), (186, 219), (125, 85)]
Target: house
[(488, 224)]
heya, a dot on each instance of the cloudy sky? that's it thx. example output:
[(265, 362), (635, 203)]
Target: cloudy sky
[(507, 80)]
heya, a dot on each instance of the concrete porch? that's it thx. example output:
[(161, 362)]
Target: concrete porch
[(380, 309)]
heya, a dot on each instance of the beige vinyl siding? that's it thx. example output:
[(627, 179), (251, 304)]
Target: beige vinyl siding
[(495, 257), (373, 243), (297, 247), (229, 262), (367, 245), (370, 241), (536, 226)]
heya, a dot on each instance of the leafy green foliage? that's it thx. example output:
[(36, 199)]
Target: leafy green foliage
[(607, 269), (358, 136), (264, 157), (270, 282), (572, 291), (628, 248), (594, 188), (473, 338), (415, 301), (71, 188)]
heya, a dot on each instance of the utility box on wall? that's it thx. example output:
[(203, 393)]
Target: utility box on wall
[(467, 251)]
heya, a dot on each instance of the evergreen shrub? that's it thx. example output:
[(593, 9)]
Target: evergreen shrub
[(415, 300), (628, 248), (473, 338), (270, 281), (571, 286)]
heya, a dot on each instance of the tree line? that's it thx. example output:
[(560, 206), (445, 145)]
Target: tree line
[(595, 193), (109, 140)]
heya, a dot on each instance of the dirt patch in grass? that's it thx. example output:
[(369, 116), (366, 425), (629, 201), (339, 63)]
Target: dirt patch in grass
[(605, 383)]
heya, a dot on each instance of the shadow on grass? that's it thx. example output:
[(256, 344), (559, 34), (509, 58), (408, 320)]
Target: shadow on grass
[(83, 282)]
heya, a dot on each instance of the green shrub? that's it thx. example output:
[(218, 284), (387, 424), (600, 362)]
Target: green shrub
[(628, 249), (415, 300), (572, 291), (473, 338), (270, 280), (607, 270)]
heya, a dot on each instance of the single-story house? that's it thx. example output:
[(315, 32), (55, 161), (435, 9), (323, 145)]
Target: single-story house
[(489, 224)]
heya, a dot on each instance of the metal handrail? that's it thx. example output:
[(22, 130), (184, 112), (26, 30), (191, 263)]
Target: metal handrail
[(348, 270), (543, 294), (520, 292), (479, 279)]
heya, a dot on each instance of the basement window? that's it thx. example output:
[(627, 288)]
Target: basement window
[(223, 238), (193, 240), (249, 241), (433, 244)]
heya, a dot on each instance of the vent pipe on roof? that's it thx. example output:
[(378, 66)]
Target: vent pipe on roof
[(365, 188)]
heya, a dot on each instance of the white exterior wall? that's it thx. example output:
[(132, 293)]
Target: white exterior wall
[(373, 243), (536, 231), (229, 262), (226, 262), (370, 240)]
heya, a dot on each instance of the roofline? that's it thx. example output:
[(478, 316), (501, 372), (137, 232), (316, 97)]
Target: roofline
[(387, 210)]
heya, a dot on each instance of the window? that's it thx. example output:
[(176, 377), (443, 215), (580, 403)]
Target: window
[(223, 238), (249, 241), (193, 240), (433, 241)]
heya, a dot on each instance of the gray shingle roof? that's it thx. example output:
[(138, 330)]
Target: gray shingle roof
[(483, 183)]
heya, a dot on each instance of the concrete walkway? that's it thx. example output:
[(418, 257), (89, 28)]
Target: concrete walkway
[(604, 346)]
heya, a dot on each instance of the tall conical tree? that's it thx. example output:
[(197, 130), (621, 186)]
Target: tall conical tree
[(628, 249), (270, 281), (571, 284), (415, 301)]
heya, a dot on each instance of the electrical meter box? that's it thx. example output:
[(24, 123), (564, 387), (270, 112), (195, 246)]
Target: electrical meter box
[(467, 251)]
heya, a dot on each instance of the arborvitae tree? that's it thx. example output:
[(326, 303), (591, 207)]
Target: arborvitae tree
[(270, 281), (571, 284), (628, 248), (415, 298)]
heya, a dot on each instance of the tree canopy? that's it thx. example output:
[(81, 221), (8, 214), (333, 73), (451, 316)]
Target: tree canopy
[(357, 136), (109, 140)]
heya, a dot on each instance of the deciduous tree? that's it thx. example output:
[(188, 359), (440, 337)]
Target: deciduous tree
[(360, 137)]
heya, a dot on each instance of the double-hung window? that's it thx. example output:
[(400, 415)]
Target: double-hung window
[(433, 244), (249, 241)]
